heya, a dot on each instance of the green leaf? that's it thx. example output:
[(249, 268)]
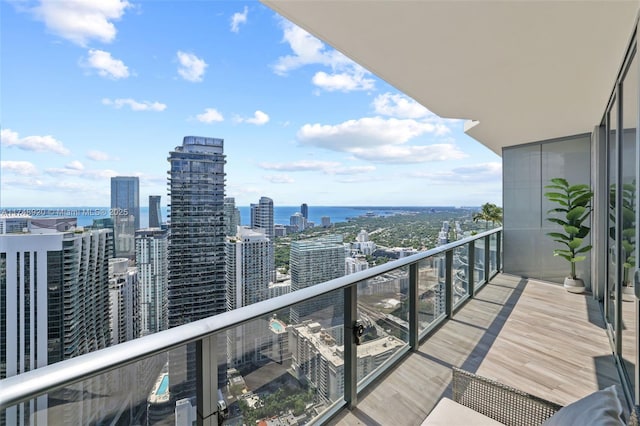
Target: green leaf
[(575, 213), (557, 210), (575, 243), (558, 221), (562, 188), (578, 188), (558, 235), (556, 195), (577, 259), (583, 249), (566, 256), (560, 181), (571, 229)]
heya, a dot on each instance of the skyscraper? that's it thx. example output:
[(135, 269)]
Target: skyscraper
[(196, 247), (298, 222), (231, 216), (262, 219), (304, 209), (125, 211), (155, 214), (151, 261), (124, 298), (58, 285), (314, 261), (248, 276)]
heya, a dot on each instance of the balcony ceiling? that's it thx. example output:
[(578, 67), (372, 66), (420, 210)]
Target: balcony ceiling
[(526, 70)]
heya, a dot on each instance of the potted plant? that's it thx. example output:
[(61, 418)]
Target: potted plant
[(574, 208), (628, 236)]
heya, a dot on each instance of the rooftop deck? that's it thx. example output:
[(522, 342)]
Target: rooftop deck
[(529, 334)]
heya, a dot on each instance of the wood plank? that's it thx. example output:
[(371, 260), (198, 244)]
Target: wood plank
[(528, 334)]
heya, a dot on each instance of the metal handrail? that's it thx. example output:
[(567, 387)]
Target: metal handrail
[(36, 382)]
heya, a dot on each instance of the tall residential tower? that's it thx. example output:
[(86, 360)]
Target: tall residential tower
[(125, 211)]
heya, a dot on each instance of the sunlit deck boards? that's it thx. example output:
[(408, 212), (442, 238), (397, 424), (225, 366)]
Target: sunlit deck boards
[(525, 333)]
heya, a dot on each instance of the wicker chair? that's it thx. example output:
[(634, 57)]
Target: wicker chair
[(504, 403)]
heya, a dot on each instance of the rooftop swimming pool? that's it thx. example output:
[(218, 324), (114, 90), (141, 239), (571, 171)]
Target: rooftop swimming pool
[(277, 326), (164, 385)]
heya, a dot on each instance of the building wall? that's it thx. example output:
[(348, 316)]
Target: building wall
[(528, 251)]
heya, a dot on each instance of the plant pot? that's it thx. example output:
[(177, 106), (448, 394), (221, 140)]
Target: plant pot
[(628, 293), (574, 285)]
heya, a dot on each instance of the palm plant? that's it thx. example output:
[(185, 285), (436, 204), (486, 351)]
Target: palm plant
[(575, 207), (489, 212)]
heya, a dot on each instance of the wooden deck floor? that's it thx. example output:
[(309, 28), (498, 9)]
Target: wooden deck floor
[(528, 334)]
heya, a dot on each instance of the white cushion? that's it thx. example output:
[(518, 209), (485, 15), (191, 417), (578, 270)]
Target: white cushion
[(448, 413), (601, 408)]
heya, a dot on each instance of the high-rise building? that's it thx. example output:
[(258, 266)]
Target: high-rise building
[(314, 261), (298, 222), (262, 219), (151, 261), (124, 299), (155, 214), (304, 210), (326, 221), (125, 211), (57, 277), (196, 287), (231, 216), (248, 276)]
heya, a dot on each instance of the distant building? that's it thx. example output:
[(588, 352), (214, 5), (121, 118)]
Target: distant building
[(304, 210), (362, 245), (318, 357), (155, 214), (125, 212), (298, 222), (326, 221), (280, 230), (152, 263), (197, 285), (58, 283), (231, 216), (262, 219), (355, 264), (314, 261), (124, 300)]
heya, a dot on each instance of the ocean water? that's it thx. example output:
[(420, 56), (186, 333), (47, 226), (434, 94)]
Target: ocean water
[(86, 215)]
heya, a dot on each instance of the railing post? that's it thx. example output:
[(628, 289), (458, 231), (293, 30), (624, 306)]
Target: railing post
[(498, 250), (350, 350), (448, 283), (413, 299), (471, 268), (207, 381), (487, 258)]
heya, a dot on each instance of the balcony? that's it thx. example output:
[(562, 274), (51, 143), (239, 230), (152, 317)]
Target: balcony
[(420, 315)]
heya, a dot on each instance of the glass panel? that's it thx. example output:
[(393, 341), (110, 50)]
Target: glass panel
[(431, 296), (479, 270), (493, 246), (384, 312), (459, 273), (629, 206), (611, 184)]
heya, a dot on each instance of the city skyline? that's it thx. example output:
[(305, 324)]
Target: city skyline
[(297, 116)]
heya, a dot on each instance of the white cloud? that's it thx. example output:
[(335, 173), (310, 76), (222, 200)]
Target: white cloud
[(239, 18), (191, 67), (408, 154), (279, 179), (106, 64), (24, 168), (75, 165), (80, 21), (397, 105), (364, 132), (380, 140), (344, 82), (326, 167), (135, 105), (209, 116), (483, 172), (259, 118), (85, 174), (345, 74), (99, 156), (32, 143)]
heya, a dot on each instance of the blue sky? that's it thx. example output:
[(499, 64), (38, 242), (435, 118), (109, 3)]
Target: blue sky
[(94, 89)]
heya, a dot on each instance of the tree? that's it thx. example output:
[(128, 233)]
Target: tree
[(489, 212)]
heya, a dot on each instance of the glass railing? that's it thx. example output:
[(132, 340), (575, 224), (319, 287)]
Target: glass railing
[(298, 358)]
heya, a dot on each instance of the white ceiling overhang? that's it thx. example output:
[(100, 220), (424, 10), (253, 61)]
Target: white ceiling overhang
[(524, 70)]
